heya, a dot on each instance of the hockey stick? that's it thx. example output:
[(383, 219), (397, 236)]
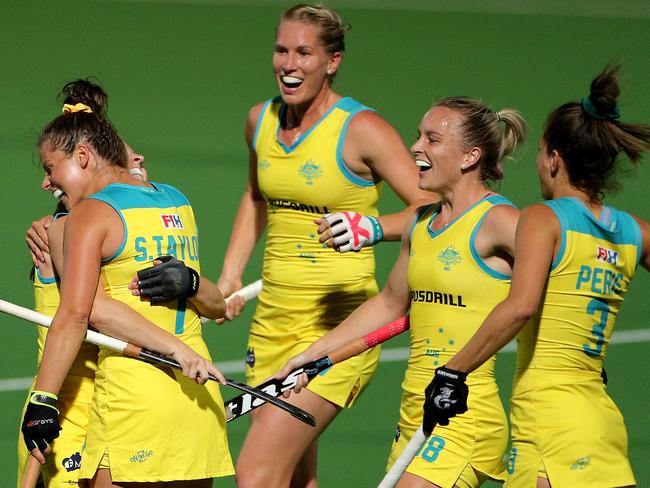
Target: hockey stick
[(30, 473), (152, 357), (401, 463), (247, 293), (243, 404)]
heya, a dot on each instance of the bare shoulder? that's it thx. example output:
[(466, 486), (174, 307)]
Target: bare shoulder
[(369, 123), (55, 230), (373, 141), (91, 213), (251, 120), (538, 212), (503, 216)]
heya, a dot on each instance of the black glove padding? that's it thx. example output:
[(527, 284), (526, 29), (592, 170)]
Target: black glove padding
[(445, 397), (170, 280), (41, 421)]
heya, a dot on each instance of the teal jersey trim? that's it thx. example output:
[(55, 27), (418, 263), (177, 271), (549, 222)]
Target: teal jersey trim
[(495, 200), (353, 107), (259, 120), (615, 226), (283, 110), (46, 280), (158, 195)]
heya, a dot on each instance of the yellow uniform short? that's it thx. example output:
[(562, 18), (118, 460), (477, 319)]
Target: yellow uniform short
[(61, 469), (570, 428), (464, 453), (154, 423), (288, 320)]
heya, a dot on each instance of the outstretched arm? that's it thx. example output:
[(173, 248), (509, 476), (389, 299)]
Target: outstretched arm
[(390, 304), (374, 150), (250, 219), (537, 236)]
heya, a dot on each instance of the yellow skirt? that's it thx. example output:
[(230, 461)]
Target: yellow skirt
[(154, 423), (566, 427), (474, 441), (289, 319)]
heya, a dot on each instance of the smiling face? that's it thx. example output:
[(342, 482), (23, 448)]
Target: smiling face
[(64, 176), (437, 150), (301, 62), (135, 163)]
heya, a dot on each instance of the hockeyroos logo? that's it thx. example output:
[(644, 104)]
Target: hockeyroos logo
[(141, 456), (607, 255), (171, 221)]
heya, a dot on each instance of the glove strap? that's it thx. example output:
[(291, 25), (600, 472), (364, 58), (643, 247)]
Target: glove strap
[(378, 232), (44, 398), (194, 286), (451, 374)]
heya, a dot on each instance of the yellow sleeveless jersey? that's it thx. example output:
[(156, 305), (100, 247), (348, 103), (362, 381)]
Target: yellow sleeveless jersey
[(302, 182), (587, 283), (46, 301), (157, 221), (452, 290)]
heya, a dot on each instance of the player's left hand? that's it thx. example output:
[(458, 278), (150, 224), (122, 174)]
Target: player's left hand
[(445, 397), (40, 423), (168, 279), (349, 231)]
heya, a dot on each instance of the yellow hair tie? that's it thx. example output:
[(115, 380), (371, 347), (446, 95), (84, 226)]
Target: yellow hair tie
[(79, 107)]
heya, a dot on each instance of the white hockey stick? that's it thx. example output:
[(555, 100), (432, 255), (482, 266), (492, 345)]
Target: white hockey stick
[(399, 466)]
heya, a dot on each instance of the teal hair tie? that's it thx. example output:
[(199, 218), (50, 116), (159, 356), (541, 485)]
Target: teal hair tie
[(590, 109)]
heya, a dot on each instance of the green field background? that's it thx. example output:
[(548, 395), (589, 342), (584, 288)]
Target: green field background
[(181, 78)]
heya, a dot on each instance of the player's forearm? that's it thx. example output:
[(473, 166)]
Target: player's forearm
[(208, 300), (369, 316), (117, 319), (393, 224), (499, 328), (64, 339), (248, 226)]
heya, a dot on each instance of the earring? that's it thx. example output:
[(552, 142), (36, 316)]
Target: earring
[(463, 166), (329, 71)]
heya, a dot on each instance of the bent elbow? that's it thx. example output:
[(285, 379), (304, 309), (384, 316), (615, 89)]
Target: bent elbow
[(524, 312)]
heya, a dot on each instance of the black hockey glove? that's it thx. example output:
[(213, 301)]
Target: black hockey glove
[(41, 421), (445, 397), (170, 280)]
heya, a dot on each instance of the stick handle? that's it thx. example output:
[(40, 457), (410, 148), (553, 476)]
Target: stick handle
[(153, 357), (31, 473), (374, 338), (399, 466), (45, 321), (248, 293)]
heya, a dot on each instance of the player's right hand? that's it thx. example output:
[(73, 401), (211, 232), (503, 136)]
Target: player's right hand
[(41, 422), (37, 240), (234, 305), (445, 397), (291, 365), (195, 366)]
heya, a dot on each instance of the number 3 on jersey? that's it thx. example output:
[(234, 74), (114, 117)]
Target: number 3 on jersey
[(594, 307)]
